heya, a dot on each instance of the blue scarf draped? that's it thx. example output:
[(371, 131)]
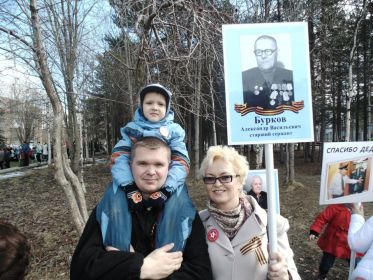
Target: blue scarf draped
[(174, 226)]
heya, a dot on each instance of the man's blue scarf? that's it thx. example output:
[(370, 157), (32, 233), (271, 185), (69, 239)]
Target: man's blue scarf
[(174, 226)]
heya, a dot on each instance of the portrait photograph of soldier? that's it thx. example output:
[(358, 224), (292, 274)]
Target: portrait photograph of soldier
[(267, 73), (269, 84)]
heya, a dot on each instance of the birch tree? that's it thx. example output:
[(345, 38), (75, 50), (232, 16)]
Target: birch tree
[(31, 49), (351, 91)]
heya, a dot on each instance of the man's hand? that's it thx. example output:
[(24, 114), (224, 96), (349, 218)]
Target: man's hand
[(278, 268), (161, 263)]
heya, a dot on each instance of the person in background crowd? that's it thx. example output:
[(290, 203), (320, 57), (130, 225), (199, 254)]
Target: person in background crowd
[(25, 154), (14, 252), (7, 155), (45, 152), (39, 150), (333, 240), (1, 158), (360, 239), (236, 226)]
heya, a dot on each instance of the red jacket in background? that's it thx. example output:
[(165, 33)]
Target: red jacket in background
[(333, 240)]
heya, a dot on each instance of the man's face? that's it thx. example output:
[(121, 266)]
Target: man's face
[(150, 168), (154, 106), (266, 61)]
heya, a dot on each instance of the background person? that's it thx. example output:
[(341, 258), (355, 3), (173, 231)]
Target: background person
[(269, 84), (25, 154), (360, 239), (333, 240), (152, 237), (236, 227), (14, 252), (45, 152), (7, 157), (39, 151)]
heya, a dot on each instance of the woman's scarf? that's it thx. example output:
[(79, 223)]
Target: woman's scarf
[(231, 220)]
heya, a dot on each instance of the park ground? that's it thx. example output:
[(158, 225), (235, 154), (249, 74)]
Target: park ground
[(37, 206)]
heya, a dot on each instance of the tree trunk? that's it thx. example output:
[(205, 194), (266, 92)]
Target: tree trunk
[(214, 139), (197, 118), (258, 149), (64, 176), (350, 74)]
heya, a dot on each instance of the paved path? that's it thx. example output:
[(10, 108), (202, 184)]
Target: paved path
[(21, 168)]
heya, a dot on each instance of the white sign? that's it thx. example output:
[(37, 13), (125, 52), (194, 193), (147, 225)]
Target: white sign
[(346, 173)]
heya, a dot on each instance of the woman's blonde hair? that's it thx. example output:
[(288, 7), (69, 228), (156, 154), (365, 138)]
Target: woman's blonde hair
[(239, 162)]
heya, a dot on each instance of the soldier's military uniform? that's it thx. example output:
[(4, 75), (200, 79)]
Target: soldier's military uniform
[(267, 92)]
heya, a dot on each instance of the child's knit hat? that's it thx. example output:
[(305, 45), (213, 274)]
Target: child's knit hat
[(158, 88)]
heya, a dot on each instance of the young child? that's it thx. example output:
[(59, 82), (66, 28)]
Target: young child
[(153, 118), (333, 242)]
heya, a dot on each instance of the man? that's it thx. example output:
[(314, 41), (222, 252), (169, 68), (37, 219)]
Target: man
[(146, 257), (339, 181), (25, 154), (45, 152), (358, 173), (39, 150), (268, 85)]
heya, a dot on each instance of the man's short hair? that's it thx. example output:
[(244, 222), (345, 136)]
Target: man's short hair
[(151, 143), (14, 252), (266, 37)]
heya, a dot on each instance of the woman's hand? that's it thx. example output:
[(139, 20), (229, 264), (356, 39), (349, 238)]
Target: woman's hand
[(357, 208), (278, 268)]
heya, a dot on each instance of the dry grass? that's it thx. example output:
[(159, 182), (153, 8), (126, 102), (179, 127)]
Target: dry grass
[(37, 206)]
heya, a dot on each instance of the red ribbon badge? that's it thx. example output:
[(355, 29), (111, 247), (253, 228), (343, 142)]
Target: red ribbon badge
[(212, 235)]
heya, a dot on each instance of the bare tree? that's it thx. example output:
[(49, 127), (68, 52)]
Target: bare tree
[(32, 46), (351, 91), (26, 112)]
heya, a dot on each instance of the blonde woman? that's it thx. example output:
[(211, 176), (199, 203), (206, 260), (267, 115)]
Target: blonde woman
[(236, 225)]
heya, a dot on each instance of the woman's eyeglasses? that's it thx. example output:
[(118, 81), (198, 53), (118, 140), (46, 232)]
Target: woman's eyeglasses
[(222, 179)]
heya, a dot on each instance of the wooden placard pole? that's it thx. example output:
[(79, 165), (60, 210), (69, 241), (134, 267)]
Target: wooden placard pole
[(271, 198)]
